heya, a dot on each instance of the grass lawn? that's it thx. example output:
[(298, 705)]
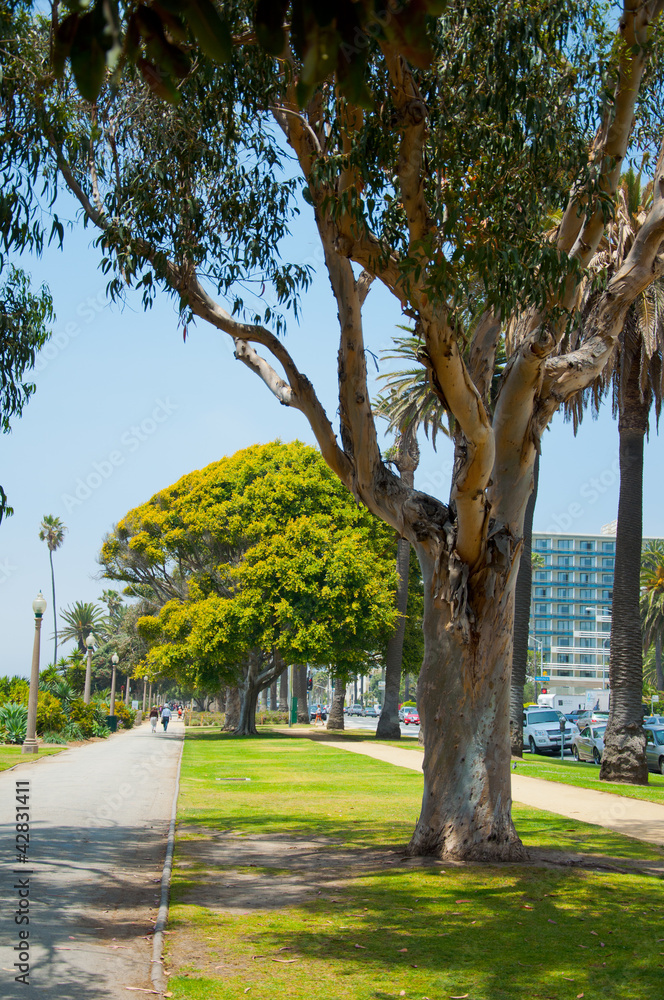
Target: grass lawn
[(567, 771), (10, 755), (294, 883)]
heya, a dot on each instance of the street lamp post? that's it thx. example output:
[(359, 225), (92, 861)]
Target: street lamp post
[(115, 659), (145, 692), (89, 642), (30, 742), (128, 691)]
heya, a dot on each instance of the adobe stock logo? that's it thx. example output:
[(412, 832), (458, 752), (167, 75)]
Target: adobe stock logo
[(131, 441)]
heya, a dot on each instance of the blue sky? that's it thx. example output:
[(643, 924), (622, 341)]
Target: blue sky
[(123, 408)]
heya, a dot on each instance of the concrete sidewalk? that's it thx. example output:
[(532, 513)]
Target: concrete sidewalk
[(631, 817), (99, 818)]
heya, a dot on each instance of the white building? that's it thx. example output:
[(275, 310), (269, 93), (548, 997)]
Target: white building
[(571, 609)]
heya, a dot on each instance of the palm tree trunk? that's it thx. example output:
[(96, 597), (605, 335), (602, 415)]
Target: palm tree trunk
[(624, 743), (388, 724), (335, 719), (658, 663), (283, 691), (300, 692), (55, 617), (522, 600)]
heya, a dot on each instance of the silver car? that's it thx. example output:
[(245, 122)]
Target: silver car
[(588, 744), (655, 748)]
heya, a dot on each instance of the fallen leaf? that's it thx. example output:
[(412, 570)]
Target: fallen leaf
[(402, 993), (463, 901), (595, 933), (568, 978), (361, 946), (552, 921), (285, 961), (462, 997), (579, 995), (583, 946), (247, 989), (528, 907), (402, 949)]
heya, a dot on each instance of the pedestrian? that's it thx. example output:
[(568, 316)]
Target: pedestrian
[(154, 716), (179, 711), (319, 716), (165, 716)]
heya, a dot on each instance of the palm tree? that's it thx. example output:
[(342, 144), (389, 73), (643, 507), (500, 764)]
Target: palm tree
[(635, 377), (81, 620), (652, 603), (52, 531), (407, 403)]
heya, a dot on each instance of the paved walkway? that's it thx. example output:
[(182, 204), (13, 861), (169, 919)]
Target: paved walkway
[(99, 818), (632, 817)]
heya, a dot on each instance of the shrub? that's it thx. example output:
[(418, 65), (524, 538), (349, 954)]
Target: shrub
[(272, 718), (100, 729), (73, 733), (14, 689), (83, 716), (50, 716), (13, 722), (53, 738), (125, 715)]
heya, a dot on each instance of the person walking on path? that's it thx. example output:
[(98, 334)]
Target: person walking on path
[(165, 716), (154, 718)]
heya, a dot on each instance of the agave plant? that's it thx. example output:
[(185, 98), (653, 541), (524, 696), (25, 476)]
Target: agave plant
[(13, 722)]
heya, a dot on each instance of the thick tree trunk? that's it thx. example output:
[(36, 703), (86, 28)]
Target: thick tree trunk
[(463, 701), (624, 756), (522, 600), (55, 616), (300, 692), (283, 691), (274, 705), (335, 719), (388, 724), (232, 709), (246, 725)]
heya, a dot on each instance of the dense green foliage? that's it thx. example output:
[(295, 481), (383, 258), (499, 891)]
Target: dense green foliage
[(262, 550)]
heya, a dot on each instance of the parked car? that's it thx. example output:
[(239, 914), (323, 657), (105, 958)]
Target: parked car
[(313, 712), (654, 720), (372, 712), (541, 730), (655, 748), (403, 712), (411, 718), (588, 744), (355, 709)]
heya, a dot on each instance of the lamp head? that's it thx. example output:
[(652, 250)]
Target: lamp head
[(89, 642), (115, 659), (39, 605)]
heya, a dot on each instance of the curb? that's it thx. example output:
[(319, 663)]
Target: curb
[(157, 974)]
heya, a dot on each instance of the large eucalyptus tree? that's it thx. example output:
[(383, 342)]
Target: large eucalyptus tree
[(431, 170)]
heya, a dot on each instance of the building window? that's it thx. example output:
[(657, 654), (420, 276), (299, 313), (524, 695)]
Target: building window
[(586, 577), (607, 577), (541, 543), (565, 673), (564, 560), (586, 673), (563, 578), (587, 561), (541, 592), (563, 658), (587, 595), (565, 544), (607, 562), (608, 546), (564, 640), (563, 592), (587, 546), (564, 625), (586, 643), (541, 574), (563, 609), (585, 658), (583, 610), (541, 609), (607, 595)]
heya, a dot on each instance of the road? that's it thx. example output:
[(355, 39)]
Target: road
[(369, 725), (99, 817)]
